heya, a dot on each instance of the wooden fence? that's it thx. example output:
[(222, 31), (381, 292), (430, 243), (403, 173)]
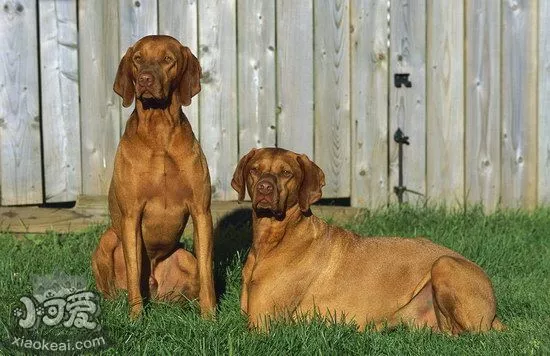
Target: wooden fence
[(314, 76)]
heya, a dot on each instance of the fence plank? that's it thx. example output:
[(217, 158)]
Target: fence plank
[(137, 19), (482, 103), (445, 94), (21, 178), (544, 104), (60, 108), (519, 104), (99, 106), (408, 105), (295, 75), (256, 68), (178, 19), (332, 95), (218, 100), (369, 103)]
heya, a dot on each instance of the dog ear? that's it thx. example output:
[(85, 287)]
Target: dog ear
[(312, 182), (124, 81), (239, 180), (190, 81)]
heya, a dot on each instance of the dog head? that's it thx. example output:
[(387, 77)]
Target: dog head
[(278, 179), (156, 70)]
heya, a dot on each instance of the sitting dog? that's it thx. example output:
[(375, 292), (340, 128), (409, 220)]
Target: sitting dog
[(160, 178), (299, 265)]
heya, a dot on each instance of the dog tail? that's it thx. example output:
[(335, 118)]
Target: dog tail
[(497, 325)]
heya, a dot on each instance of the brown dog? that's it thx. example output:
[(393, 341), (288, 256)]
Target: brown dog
[(298, 264), (160, 178)]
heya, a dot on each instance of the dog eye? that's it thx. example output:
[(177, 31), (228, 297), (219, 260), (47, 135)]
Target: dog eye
[(254, 171), (286, 174), (137, 59), (168, 59)]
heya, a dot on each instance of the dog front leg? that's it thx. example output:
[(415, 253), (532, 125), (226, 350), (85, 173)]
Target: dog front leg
[(131, 243), (247, 275), (202, 240)]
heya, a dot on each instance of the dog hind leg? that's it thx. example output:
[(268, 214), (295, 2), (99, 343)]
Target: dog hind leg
[(177, 277), (103, 263), (463, 296)]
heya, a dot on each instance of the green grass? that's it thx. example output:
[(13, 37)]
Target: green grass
[(513, 247)]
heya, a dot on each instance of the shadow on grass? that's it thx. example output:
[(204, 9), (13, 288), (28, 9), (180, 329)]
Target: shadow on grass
[(232, 238)]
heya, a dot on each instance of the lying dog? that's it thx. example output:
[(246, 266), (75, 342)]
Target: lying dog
[(298, 264), (160, 178)]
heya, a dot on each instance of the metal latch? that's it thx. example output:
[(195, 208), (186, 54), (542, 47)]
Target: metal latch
[(401, 79), (401, 140)]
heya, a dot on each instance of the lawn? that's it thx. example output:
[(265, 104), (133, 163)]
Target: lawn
[(513, 247)]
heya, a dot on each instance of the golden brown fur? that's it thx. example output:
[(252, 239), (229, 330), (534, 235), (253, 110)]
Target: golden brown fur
[(298, 264), (160, 178)]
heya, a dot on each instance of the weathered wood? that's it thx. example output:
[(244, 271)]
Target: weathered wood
[(369, 104), (519, 104), (256, 73), (445, 95), (35, 220), (218, 99), (99, 105), (20, 166), (92, 210), (482, 86), (476, 114), (295, 75), (96, 206), (178, 19), (137, 19), (60, 95), (332, 96), (408, 105), (544, 103)]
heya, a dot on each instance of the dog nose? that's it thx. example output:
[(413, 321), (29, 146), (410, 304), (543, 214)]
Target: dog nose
[(145, 79), (265, 187)]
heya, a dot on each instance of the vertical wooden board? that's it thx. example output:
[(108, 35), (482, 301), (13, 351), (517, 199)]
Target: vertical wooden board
[(178, 19), (60, 95), (256, 73), (332, 95), (369, 103), (295, 75), (137, 19), (99, 105), (519, 104), (20, 166), (544, 104), (408, 105), (445, 95), (482, 162), (218, 99)]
